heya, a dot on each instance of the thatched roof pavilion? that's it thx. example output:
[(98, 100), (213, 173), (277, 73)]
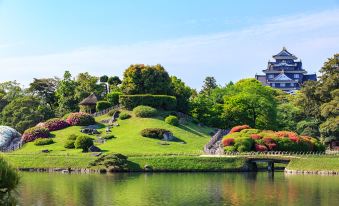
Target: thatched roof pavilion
[(88, 104)]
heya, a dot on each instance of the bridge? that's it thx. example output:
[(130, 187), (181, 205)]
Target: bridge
[(270, 162)]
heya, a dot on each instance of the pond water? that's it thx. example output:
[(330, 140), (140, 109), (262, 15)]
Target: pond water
[(177, 189)]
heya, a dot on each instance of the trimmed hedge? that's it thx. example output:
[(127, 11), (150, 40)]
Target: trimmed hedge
[(144, 111), (124, 115), (113, 97), (34, 133), (157, 101), (155, 133), (102, 105), (43, 141), (172, 120), (55, 124), (80, 119)]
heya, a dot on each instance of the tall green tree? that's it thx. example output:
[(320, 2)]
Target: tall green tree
[(251, 103), (182, 93), (145, 79), (45, 89), (65, 93), (209, 84), (25, 112), (86, 85)]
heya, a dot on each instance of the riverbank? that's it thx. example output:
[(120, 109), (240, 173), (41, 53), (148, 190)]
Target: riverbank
[(171, 163)]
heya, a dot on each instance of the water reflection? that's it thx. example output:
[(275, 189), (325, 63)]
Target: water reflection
[(178, 189)]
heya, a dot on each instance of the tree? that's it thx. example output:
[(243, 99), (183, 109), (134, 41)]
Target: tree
[(251, 103), (86, 85), (209, 84), (65, 93), (45, 89), (9, 91), (25, 112), (115, 81), (104, 79), (141, 79), (182, 93)]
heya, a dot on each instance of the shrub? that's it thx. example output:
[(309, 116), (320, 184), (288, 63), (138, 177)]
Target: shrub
[(111, 112), (69, 144), (243, 144), (108, 136), (80, 119), (260, 148), (230, 149), (239, 128), (157, 101), (124, 115), (113, 97), (83, 142), (255, 136), (102, 105), (72, 137), (34, 133), (144, 111), (172, 120), (228, 141), (155, 133), (43, 141), (55, 124)]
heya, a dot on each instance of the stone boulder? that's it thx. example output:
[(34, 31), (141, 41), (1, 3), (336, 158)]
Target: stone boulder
[(9, 138), (168, 136), (94, 149)]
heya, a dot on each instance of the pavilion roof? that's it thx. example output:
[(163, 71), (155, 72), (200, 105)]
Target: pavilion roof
[(90, 100)]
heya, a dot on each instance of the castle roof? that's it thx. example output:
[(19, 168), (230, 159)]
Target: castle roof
[(284, 54)]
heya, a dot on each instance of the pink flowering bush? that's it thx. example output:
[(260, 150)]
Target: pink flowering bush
[(255, 136), (55, 124), (260, 148), (34, 133), (239, 128), (80, 119)]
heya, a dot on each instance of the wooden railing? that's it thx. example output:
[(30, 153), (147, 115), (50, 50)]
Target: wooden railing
[(105, 111)]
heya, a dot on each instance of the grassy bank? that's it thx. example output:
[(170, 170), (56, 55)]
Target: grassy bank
[(321, 163)]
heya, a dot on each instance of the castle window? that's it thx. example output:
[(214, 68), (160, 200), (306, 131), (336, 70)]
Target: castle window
[(273, 84), (296, 75), (270, 76), (282, 84)]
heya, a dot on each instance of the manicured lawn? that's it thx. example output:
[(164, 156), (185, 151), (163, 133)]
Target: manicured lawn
[(128, 140), (330, 163)]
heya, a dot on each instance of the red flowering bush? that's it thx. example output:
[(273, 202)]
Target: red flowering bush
[(80, 119), (34, 133), (228, 142), (294, 138), (268, 140), (271, 146), (255, 136), (260, 148), (55, 124), (239, 128)]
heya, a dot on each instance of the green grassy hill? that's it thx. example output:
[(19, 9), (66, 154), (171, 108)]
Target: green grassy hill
[(128, 140)]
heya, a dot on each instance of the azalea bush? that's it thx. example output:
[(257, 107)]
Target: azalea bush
[(54, 124), (172, 120), (80, 119), (43, 141), (144, 111), (34, 133), (244, 139), (156, 133)]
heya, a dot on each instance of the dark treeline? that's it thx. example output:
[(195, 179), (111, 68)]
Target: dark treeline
[(313, 111)]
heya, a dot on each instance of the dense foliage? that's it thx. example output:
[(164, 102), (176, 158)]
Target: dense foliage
[(124, 115), (34, 133), (80, 119), (145, 79), (9, 179), (25, 112), (55, 124), (102, 105), (113, 97), (144, 111), (157, 101), (83, 142), (155, 133), (244, 139), (172, 120), (43, 141)]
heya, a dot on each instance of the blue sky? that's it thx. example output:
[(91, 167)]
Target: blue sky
[(191, 39)]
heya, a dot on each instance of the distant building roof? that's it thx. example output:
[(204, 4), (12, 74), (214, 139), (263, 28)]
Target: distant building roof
[(284, 54), (90, 100)]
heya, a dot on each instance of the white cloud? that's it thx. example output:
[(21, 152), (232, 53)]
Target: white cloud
[(227, 56)]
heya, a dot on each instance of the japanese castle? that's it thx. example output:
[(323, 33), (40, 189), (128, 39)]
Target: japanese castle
[(285, 73)]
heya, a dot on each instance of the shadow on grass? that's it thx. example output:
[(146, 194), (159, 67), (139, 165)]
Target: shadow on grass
[(188, 129)]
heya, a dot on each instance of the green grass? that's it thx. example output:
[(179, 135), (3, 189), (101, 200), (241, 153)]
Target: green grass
[(330, 163), (128, 140), (188, 163)]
